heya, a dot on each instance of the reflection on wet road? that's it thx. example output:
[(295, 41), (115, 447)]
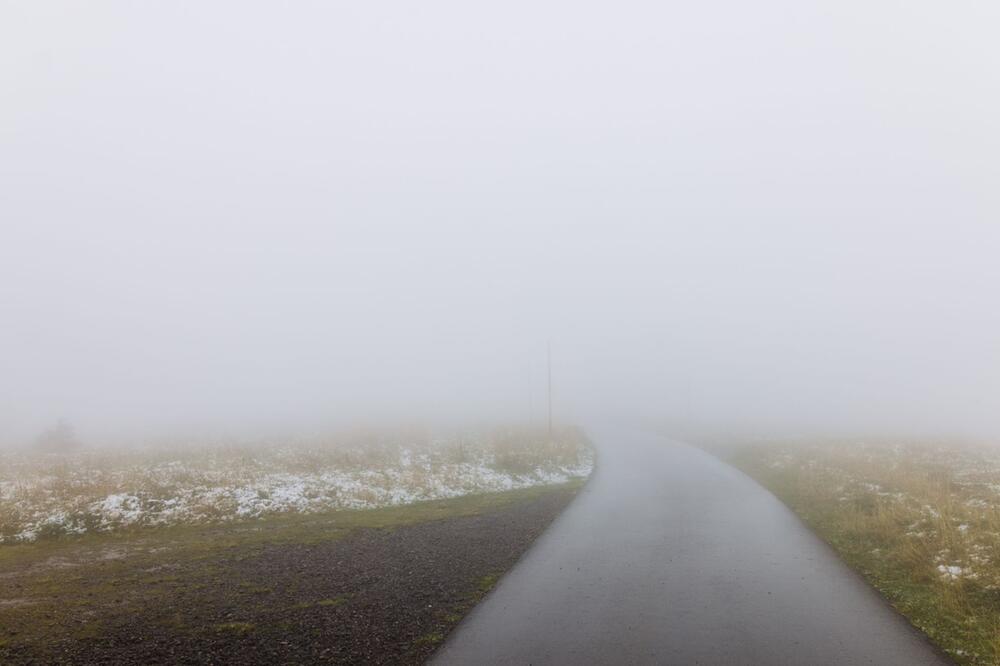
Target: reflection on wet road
[(670, 556)]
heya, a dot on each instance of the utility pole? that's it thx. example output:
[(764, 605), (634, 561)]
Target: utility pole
[(550, 389)]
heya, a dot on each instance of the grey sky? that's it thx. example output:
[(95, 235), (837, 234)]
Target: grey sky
[(779, 213)]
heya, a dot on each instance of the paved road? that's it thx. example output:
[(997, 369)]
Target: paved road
[(669, 556)]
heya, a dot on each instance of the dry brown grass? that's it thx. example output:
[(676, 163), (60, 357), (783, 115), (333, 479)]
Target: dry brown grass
[(920, 520), (47, 495)]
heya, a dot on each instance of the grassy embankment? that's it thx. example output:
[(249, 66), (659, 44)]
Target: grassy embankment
[(108, 489), (78, 588), (241, 546), (920, 521)]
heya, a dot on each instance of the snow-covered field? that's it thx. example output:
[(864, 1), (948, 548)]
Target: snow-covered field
[(103, 490)]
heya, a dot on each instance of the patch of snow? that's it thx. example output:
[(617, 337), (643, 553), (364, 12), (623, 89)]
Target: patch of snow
[(954, 572), (178, 492)]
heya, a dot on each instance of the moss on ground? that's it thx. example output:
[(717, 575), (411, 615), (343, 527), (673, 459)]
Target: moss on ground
[(432, 638), (235, 627), (487, 583), (336, 601)]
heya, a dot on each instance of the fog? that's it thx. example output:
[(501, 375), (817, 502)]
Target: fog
[(771, 216)]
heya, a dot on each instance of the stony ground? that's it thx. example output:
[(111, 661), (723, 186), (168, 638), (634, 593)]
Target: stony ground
[(379, 586)]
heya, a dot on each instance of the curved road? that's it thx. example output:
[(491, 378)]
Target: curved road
[(670, 556)]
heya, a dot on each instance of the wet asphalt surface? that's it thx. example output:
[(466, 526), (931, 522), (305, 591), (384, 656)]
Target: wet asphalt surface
[(670, 556)]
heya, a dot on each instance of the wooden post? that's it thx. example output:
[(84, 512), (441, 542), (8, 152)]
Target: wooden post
[(550, 389)]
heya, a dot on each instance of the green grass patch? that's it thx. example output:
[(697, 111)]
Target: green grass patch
[(336, 601), (487, 583), (235, 627), (432, 638)]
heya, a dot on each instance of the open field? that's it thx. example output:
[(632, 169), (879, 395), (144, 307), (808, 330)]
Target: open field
[(105, 490), (921, 521), (374, 586)]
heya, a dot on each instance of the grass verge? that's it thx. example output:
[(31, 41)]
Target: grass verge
[(920, 521)]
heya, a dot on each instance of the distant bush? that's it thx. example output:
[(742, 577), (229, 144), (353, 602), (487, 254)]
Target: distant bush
[(60, 438)]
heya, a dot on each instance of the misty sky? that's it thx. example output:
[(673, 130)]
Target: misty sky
[(778, 214)]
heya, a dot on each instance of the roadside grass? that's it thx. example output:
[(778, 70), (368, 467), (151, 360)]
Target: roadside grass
[(336, 601), (921, 521), (432, 638), (79, 588), (487, 583), (45, 496)]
